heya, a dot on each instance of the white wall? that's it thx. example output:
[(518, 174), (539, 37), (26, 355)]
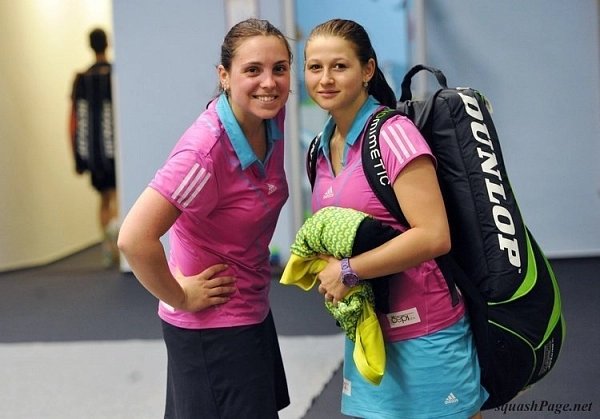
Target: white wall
[(538, 62), (46, 210)]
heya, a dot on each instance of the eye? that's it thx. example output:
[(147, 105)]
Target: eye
[(281, 69), (313, 67), (340, 66), (253, 70)]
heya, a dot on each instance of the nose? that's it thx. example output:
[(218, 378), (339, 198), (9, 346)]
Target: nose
[(268, 80), (326, 77)]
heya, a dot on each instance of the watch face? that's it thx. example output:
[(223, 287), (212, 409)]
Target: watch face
[(350, 279)]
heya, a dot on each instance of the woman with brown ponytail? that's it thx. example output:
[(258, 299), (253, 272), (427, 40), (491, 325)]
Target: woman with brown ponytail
[(431, 362)]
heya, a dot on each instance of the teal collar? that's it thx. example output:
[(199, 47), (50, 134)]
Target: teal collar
[(238, 139)]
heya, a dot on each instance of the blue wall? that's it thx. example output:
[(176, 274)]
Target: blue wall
[(538, 62)]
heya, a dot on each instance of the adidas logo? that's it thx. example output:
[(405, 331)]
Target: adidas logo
[(271, 188), (451, 399), (328, 193)]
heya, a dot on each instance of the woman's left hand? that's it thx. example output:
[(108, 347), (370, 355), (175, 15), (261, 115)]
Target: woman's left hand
[(330, 284)]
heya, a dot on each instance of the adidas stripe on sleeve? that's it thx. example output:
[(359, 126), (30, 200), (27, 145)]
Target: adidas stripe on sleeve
[(401, 142), (186, 183)]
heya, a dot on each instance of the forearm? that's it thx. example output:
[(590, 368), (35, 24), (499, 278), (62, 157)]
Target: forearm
[(405, 251), (149, 264), (139, 239)]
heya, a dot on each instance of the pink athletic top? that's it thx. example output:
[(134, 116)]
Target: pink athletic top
[(230, 202), (420, 301)]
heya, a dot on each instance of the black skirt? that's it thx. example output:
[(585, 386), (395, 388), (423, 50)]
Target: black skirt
[(229, 372)]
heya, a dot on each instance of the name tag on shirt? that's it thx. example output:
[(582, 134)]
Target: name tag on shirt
[(404, 318)]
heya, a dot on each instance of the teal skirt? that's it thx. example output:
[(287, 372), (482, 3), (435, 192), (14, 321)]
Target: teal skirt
[(433, 376)]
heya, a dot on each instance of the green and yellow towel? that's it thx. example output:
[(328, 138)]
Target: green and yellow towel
[(332, 231)]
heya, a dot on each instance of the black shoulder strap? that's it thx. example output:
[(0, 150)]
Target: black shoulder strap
[(373, 165), (311, 160)]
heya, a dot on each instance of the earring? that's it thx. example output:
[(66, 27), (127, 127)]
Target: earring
[(366, 84)]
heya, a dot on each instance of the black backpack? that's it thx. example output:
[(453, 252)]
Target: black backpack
[(508, 285), (92, 120)]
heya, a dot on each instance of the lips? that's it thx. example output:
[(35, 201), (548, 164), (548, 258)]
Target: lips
[(328, 93)]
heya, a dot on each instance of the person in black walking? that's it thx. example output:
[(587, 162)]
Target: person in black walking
[(92, 138)]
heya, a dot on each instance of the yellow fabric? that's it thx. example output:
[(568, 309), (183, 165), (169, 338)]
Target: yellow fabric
[(302, 271), (369, 350)]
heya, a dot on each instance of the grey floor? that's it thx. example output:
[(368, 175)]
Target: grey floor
[(77, 300)]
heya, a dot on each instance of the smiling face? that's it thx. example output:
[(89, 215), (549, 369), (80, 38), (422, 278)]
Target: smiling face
[(333, 74), (258, 80)]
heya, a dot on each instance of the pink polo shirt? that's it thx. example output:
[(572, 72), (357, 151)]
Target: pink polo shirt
[(230, 202), (420, 302)]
